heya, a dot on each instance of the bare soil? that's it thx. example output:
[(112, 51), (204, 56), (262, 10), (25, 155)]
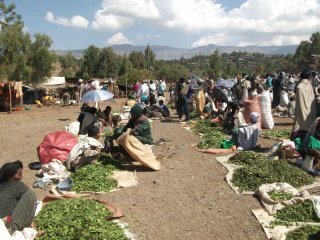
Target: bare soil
[(187, 199)]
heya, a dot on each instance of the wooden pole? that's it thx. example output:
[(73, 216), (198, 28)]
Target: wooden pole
[(126, 76), (10, 99)]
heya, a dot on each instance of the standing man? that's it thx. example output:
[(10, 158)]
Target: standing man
[(183, 107), (305, 112)]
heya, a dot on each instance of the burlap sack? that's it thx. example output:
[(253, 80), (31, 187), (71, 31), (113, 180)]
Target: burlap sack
[(138, 151)]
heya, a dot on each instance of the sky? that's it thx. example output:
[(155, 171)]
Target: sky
[(76, 24)]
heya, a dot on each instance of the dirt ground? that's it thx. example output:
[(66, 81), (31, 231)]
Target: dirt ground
[(187, 199)]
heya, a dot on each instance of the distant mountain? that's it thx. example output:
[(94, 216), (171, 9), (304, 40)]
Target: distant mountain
[(169, 53)]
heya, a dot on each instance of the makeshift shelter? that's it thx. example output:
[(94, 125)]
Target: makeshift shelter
[(10, 95), (30, 94)]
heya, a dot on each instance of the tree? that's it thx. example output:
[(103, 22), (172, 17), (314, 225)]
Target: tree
[(14, 45), (215, 65), (172, 72), (90, 62), (315, 43), (42, 58), (69, 65), (302, 51), (138, 60), (108, 64), (138, 74), (150, 58)]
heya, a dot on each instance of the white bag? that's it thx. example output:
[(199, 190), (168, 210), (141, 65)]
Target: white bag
[(25, 234), (5, 235), (284, 99), (266, 114)]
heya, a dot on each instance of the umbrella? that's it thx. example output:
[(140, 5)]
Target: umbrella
[(218, 94), (56, 145), (226, 83), (96, 96)]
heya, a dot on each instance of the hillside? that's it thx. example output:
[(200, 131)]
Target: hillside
[(170, 53)]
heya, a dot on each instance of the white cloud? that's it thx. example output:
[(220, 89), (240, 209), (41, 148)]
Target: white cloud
[(76, 21), (258, 22), (105, 21), (118, 38), (133, 8)]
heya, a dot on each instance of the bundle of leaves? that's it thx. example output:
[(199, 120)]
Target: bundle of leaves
[(73, 219), (302, 212), (251, 177), (96, 177), (304, 233), (212, 139), (280, 195), (203, 126), (247, 158), (277, 133), (107, 133)]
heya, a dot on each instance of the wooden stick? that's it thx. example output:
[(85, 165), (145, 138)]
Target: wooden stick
[(10, 100), (122, 104)]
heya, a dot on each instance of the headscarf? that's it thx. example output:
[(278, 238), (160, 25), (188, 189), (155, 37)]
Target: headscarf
[(136, 110), (8, 170), (254, 116)]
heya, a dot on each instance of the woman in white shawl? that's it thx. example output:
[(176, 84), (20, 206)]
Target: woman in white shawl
[(305, 111)]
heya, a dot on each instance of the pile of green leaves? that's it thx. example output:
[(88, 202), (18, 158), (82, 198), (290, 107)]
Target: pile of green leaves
[(255, 173), (280, 195), (277, 133), (212, 139), (213, 134), (303, 212), (203, 126), (96, 177), (304, 233), (73, 219), (247, 158)]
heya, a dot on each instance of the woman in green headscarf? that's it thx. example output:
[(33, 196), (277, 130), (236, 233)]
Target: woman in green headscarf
[(139, 125)]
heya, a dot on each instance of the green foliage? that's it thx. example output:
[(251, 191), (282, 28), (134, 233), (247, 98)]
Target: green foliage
[(138, 60), (150, 58), (171, 72), (41, 58), (20, 58), (302, 212), (215, 64), (69, 64), (108, 64), (90, 62), (96, 177), (280, 195), (304, 233), (277, 133), (213, 134), (258, 172), (73, 219), (212, 139), (247, 158)]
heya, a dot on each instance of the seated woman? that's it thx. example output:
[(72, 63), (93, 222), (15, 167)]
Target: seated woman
[(311, 146), (130, 102), (106, 116), (86, 150), (139, 125), (88, 119), (17, 201), (160, 110), (248, 135)]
